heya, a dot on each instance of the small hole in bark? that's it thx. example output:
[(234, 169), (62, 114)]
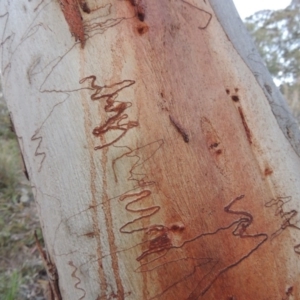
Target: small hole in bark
[(142, 29), (289, 292), (141, 16), (214, 145), (85, 8), (235, 98), (177, 227), (268, 171)]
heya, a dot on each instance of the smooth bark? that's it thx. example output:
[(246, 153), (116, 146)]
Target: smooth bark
[(164, 162)]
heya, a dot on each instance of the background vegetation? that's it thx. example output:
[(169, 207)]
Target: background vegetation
[(21, 271), (277, 35)]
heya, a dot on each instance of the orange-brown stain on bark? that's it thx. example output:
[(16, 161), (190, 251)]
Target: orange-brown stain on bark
[(214, 144), (96, 234), (235, 98), (142, 28), (246, 127), (268, 171), (161, 259), (70, 9)]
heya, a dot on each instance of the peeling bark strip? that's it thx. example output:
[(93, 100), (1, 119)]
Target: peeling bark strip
[(73, 17), (51, 271), (13, 129)]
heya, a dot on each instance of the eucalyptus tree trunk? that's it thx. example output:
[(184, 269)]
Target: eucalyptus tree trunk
[(164, 161)]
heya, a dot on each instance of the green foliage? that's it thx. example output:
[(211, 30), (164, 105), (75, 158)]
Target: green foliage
[(5, 126), (9, 285), (10, 160), (277, 35), (10, 169)]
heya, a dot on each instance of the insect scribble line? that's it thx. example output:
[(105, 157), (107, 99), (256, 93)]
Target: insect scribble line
[(238, 227), (115, 122), (240, 231), (37, 137), (150, 150), (81, 29), (207, 261), (159, 245), (198, 262), (156, 234), (288, 217), (9, 39), (78, 280), (146, 212), (97, 26), (201, 10)]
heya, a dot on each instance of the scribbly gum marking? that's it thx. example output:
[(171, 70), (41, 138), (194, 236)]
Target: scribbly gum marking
[(170, 201), (288, 217), (116, 122), (223, 234), (77, 279), (159, 252), (75, 20)]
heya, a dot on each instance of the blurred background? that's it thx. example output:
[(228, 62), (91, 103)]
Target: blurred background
[(22, 274), (275, 27)]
